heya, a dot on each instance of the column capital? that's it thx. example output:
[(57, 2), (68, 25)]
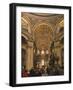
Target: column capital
[(30, 44)]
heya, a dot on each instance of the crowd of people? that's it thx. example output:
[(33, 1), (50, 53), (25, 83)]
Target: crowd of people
[(51, 70), (43, 71)]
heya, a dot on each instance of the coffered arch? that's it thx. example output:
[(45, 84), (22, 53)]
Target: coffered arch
[(43, 36), (39, 23)]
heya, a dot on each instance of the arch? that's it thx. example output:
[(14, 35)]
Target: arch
[(27, 36), (59, 26), (38, 25), (43, 33), (24, 36), (42, 23), (26, 20), (24, 40)]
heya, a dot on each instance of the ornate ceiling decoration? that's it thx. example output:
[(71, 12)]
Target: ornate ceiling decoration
[(43, 37), (42, 34)]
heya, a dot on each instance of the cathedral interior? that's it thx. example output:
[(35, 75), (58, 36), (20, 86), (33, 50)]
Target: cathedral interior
[(42, 44)]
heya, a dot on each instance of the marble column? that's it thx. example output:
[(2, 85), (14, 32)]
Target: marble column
[(29, 62)]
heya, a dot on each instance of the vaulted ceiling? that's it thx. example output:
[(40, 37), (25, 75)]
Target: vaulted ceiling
[(43, 36), (42, 27)]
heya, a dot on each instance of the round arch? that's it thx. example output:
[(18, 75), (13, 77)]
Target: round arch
[(42, 23), (26, 37), (26, 20), (46, 24)]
